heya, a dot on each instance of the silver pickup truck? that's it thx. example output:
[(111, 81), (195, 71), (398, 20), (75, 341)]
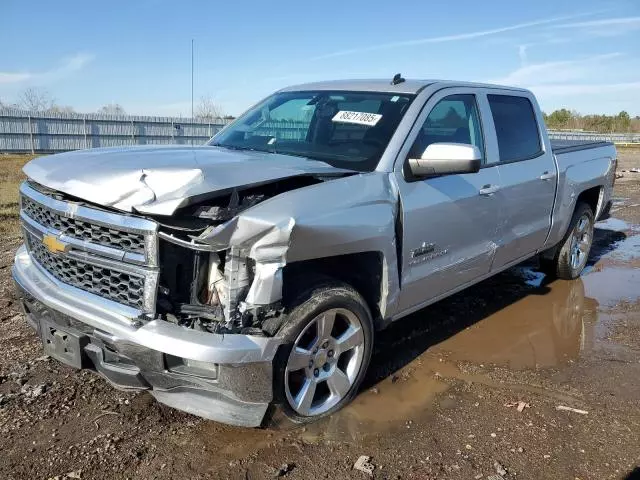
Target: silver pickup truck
[(253, 272)]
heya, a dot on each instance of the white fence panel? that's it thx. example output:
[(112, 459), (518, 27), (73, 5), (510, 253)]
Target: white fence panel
[(56, 132)]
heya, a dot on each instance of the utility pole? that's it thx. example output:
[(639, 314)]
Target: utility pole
[(192, 78)]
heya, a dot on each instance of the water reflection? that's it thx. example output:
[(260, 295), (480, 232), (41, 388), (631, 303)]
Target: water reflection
[(536, 331)]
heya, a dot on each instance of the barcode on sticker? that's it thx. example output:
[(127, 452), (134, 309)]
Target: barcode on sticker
[(361, 118)]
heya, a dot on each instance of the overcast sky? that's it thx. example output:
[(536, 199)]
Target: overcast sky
[(582, 54)]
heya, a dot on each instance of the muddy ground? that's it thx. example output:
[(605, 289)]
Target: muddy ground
[(440, 401)]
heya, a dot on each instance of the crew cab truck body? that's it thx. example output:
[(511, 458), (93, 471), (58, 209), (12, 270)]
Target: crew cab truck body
[(254, 270)]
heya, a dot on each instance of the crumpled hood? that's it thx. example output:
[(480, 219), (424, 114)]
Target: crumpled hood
[(161, 179)]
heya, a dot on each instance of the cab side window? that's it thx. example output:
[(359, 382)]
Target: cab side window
[(454, 119), (516, 127)]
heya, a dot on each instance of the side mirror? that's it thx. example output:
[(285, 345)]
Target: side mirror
[(445, 159)]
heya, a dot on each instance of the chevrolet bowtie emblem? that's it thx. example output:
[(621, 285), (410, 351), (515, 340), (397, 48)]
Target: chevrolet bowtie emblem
[(54, 244)]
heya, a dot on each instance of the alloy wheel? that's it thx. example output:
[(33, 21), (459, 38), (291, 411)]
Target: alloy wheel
[(581, 242), (324, 362)]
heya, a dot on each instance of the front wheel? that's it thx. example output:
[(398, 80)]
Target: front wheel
[(328, 343), (573, 251)]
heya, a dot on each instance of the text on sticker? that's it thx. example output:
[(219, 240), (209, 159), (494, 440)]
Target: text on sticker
[(361, 118)]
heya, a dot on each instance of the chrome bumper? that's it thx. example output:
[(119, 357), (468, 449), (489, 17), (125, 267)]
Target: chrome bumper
[(241, 392)]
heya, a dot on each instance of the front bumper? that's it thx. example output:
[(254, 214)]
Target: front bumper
[(133, 355)]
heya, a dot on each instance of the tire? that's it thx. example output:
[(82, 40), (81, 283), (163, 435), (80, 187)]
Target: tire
[(321, 362), (573, 251)]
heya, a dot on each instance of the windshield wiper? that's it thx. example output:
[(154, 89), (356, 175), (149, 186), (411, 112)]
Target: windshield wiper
[(231, 147), (237, 147)]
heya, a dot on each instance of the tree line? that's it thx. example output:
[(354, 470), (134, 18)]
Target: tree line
[(40, 100), (564, 119)]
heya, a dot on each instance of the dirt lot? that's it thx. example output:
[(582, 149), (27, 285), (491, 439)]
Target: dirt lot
[(440, 401)]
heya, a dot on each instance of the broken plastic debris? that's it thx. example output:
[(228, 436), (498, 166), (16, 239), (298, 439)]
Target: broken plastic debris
[(570, 409), (500, 470), (363, 465), (520, 405)]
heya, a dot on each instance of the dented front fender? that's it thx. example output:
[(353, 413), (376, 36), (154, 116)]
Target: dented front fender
[(344, 216)]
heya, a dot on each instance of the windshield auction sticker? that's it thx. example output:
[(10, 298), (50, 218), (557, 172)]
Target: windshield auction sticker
[(361, 118)]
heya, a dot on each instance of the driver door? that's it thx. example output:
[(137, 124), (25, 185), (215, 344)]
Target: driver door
[(449, 222)]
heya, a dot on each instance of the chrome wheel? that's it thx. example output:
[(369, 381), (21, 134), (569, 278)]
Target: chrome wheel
[(581, 243), (324, 362)]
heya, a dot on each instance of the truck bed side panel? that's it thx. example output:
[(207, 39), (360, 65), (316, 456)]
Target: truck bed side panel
[(580, 169)]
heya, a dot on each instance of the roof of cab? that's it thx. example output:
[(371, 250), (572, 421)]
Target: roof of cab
[(384, 85)]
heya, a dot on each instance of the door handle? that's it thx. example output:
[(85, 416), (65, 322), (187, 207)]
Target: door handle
[(488, 190), (547, 176)]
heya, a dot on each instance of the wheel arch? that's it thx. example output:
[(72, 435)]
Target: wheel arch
[(592, 196), (364, 271)]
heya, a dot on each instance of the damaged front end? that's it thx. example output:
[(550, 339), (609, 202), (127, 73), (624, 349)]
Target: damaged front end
[(221, 253), (208, 290), (189, 304), (222, 270)]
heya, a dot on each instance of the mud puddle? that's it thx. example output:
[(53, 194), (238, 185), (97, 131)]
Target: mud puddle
[(545, 325), (393, 403), (617, 240), (613, 285), (555, 322), (543, 329), (627, 249), (614, 224), (236, 442)]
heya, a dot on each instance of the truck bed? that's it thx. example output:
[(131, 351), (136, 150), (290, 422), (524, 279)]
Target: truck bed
[(566, 146), (582, 166)]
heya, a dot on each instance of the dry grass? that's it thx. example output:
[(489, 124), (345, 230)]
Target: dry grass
[(10, 178), (628, 158)]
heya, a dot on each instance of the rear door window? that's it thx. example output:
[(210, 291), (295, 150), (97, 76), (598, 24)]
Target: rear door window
[(516, 127)]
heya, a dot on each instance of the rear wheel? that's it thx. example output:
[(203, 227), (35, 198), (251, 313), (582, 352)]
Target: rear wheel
[(573, 252), (329, 336)]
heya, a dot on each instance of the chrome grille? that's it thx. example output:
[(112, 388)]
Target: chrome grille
[(111, 255), (119, 286), (82, 230)]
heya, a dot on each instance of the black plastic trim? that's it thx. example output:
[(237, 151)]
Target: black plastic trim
[(577, 147)]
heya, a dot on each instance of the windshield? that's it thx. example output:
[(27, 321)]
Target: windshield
[(344, 129)]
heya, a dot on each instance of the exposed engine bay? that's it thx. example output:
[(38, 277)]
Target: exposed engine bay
[(205, 289)]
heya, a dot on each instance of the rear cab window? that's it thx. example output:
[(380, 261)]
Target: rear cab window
[(516, 127)]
